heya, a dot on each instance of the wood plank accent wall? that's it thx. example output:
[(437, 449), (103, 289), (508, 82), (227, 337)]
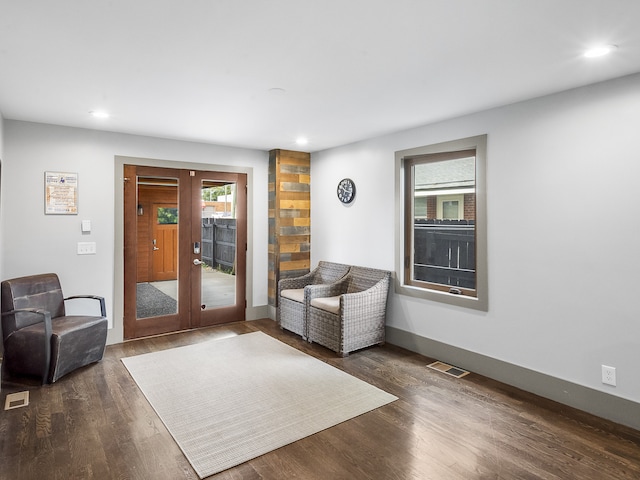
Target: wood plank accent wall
[(289, 217)]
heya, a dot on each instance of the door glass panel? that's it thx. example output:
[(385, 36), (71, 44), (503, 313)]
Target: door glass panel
[(218, 244), (157, 251)]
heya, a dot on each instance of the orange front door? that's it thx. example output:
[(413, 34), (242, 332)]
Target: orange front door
[(164, 244)]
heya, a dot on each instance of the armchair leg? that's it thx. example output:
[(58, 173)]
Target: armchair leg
[(47, 348), (45, 372)]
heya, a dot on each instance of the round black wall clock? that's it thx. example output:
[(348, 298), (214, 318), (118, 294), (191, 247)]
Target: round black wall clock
[(346, 190)]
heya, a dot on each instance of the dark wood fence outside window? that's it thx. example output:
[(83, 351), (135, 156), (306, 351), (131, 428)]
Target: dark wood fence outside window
[(445, 252)]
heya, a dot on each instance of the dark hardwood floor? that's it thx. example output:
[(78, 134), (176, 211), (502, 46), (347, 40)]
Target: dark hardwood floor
[(95, 423)]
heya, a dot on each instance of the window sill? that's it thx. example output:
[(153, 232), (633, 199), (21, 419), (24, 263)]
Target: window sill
[(465, 301)]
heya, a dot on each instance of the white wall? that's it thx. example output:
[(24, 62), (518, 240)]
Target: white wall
[(35, 243), (563, 209)]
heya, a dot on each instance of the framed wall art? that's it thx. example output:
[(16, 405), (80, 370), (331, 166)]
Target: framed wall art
[(60, 193)]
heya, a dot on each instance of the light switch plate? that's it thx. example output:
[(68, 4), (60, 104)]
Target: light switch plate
[(86, 226), (86, 248)]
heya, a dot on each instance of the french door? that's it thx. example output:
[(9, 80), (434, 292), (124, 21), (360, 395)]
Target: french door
[(185, 249)]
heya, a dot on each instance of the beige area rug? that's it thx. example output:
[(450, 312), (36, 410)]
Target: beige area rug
[(230, 400)]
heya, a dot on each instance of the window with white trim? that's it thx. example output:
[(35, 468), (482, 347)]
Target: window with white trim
[(442, 240)]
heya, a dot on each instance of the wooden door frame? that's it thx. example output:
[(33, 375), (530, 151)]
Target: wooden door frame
[(185, 318)]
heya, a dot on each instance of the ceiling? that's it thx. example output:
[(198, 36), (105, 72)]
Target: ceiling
[(261, 73)]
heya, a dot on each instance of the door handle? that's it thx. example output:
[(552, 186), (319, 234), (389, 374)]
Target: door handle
[(155, 248), (197, 261), (154, 245)]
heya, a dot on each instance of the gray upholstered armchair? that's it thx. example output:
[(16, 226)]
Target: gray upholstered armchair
[(350, 314), (294, 295), (39, 338)]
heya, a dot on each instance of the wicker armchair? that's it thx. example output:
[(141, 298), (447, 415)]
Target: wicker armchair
[(350, 314), (294, 296)]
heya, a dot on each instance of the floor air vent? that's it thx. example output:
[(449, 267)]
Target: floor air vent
[(448, 369), (16, 400)]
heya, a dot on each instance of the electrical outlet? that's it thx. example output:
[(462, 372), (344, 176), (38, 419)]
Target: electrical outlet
[(609, 375)]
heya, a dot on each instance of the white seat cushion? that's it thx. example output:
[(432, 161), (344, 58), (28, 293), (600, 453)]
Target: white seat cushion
[(295, 294), (329, 304)]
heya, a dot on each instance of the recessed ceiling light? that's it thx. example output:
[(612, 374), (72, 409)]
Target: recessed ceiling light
[(302, 141), (599, 51), (99, 114)]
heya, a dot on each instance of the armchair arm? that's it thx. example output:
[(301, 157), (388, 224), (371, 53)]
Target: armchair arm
[(326, 289), (371, 302), (46, 319), (296, 282), (103, 309)]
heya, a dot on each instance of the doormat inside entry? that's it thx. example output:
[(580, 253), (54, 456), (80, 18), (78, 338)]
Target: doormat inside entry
[(151, 302)]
